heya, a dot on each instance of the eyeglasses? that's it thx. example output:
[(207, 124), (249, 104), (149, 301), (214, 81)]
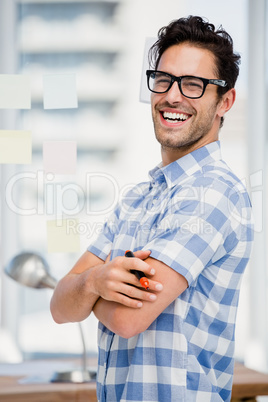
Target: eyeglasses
[(191, 87)]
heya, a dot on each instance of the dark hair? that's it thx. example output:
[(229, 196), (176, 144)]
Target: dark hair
[(195, 30)]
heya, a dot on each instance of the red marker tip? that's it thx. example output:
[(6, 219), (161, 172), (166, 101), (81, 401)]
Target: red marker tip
[(144, 282)]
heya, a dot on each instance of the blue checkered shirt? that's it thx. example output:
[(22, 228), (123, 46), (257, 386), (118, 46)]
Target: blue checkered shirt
[(195, 216)]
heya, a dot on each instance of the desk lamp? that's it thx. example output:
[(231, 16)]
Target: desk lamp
[(30, 269)]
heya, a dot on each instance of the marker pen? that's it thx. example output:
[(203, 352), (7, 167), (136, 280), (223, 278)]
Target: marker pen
[(139, 274)]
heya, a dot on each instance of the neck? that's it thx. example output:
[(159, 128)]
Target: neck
[(170, 155)]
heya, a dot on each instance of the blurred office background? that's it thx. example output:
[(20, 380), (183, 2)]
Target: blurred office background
[(102, 43)]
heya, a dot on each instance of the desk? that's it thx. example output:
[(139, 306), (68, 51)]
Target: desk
[(247, 385), (29, 382), (12, 391)]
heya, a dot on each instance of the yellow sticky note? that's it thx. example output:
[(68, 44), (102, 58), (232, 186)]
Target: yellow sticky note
[(62, 236), (15, 91), (15, 146)]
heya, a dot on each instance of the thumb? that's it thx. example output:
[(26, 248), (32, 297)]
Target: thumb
[(108, 258)]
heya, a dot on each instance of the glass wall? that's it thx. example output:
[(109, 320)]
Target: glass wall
[(83, 60), (73, 50)]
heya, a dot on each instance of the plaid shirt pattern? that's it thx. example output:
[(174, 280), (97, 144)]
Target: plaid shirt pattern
[(195, 216)]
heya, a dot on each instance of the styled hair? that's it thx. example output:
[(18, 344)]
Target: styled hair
[(200, 33)]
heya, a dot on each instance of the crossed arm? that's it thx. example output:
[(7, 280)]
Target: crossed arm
[(114, 294)]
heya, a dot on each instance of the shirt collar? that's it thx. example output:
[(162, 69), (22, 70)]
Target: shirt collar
[(187, 165)]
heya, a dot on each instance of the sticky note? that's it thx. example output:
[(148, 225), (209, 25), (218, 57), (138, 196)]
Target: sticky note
[(15, 91), (62, 236), (15, 146), (59, 91), (60, 157), (145, 94)]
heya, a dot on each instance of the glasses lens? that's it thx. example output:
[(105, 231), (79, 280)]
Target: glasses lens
[(192, 87), (159, 82)]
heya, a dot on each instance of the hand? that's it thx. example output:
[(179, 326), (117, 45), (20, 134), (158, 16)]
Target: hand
[(114, 281)]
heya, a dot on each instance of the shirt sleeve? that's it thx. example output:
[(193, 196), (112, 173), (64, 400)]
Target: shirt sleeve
[(193, 233), (102, 246)]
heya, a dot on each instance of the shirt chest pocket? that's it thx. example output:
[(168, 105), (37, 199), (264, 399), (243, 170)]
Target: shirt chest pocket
[(134, 235), (138, 226)]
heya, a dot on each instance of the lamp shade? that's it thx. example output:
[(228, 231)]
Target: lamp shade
[(30, 269)]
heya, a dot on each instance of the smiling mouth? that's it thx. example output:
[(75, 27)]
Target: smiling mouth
[(175, 117)]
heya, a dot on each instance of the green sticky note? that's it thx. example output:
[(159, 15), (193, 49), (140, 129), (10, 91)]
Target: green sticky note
[(15, 91)]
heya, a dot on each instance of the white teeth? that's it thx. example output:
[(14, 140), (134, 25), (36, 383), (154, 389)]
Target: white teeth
[(175, 116)]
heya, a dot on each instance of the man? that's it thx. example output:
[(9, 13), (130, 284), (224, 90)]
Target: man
[(191, 233)]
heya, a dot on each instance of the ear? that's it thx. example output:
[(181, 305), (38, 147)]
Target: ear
[(226, 102)]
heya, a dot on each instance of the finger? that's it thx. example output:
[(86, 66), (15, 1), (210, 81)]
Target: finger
[(155, 286), (118, 276), (142, 254), (137, 264), (128, 302), (137, 293)]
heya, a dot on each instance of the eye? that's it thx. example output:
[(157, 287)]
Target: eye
[(192, 84), (161, 79)]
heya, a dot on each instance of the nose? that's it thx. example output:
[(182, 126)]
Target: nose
[(174, 94)]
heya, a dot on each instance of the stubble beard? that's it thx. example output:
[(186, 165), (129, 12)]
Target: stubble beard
[(184, 138)]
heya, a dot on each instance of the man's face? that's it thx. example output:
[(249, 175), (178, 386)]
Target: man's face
[(198, 123)]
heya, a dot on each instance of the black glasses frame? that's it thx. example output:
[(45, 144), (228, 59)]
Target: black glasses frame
[(173, 78)]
